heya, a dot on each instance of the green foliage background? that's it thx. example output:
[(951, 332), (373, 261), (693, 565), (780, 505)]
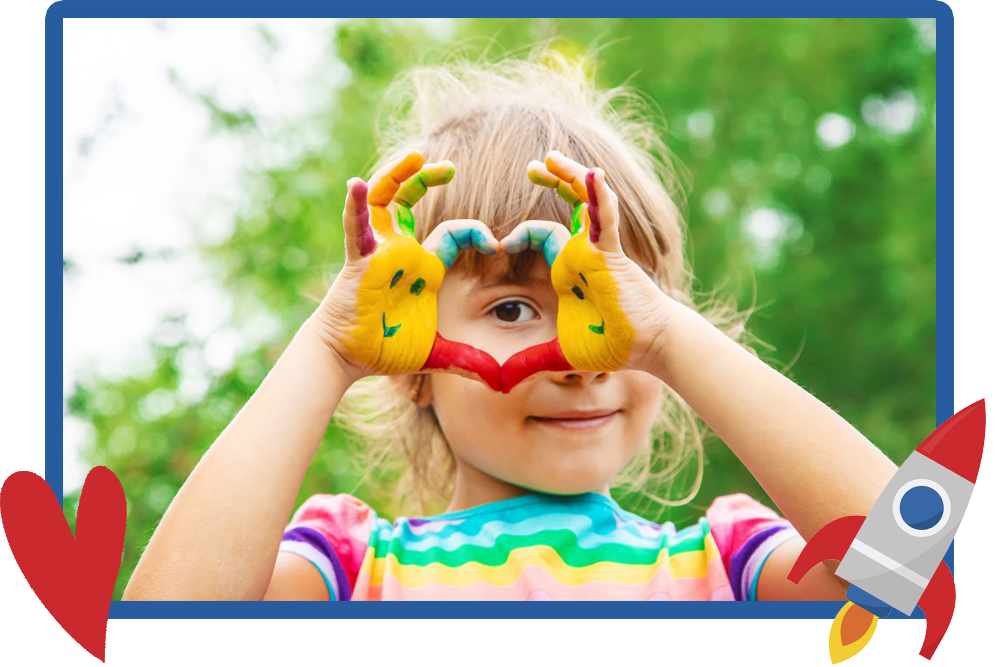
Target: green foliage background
[(845, 296)]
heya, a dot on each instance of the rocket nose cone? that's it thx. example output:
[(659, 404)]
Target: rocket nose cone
[(958, 443)]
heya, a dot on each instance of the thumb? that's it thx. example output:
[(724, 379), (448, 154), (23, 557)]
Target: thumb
[(358, 236), (602, 212)]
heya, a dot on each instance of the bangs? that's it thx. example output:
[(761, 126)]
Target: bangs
[(512, 268)]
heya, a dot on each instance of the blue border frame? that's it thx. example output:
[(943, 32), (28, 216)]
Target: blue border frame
[(961, 379)]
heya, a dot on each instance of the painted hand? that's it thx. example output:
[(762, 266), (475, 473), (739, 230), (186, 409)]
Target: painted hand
[(380, 315), (610, 310)]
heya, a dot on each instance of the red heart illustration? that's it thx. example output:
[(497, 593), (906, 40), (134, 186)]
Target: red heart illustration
[(74, 578), (450, 354)]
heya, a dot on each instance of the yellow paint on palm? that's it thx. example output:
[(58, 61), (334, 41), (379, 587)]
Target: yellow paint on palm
[(396, 302), (594, 333), (397, 307)]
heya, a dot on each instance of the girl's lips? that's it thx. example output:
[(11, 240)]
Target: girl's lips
[(589, 420)]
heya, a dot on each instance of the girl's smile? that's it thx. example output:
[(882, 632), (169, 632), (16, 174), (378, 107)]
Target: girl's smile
[(576, 419)]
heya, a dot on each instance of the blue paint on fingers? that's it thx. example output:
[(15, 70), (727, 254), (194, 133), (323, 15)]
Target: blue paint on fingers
[(455, 241), (551, 248)]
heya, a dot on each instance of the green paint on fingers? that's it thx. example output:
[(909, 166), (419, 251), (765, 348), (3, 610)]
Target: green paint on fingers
[(418, 286), (576, 221), (404, 218)]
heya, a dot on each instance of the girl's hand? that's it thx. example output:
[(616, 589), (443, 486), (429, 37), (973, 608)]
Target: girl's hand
[(610, 312), (380, 315)]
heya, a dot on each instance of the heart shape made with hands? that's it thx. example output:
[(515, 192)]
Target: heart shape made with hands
[(395, 330)]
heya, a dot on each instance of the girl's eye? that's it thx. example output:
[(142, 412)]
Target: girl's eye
[(514, 312)]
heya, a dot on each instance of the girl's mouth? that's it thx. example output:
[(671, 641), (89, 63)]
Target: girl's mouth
[(577, 420)]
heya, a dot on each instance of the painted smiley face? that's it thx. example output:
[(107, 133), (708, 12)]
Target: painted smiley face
[(579, 295), (416, 288), (594, 331), (398, 297)]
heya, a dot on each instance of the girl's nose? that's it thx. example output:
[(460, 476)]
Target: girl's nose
[(583, 378)]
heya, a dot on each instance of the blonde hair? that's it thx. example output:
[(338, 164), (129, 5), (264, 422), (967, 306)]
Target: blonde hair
[(490, 119)]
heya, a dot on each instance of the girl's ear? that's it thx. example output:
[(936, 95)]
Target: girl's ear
[(417, 386), (421, 390)]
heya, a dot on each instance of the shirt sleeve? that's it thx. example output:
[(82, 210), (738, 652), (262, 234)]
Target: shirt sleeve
[(746, 532), (332, 533)]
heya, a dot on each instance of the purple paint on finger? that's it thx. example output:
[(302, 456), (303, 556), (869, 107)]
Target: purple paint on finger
[(365, 238), (592, 207)]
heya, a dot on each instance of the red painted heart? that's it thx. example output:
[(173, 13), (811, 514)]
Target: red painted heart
[(74, 578), (450, 354)]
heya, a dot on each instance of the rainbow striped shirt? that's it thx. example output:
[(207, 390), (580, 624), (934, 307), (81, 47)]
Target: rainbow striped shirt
[(536, 547)]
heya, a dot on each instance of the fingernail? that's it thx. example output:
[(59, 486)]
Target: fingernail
[(359, 191)]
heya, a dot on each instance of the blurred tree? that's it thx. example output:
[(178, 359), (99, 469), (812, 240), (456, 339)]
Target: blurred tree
[(812, 149)]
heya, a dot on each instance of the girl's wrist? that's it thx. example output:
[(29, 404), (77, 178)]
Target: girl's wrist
[(669, 333), (317, 334)]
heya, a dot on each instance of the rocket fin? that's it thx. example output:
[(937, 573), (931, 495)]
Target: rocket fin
[(938, 603), (830, 543)]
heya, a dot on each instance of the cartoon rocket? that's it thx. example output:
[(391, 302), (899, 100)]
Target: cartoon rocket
[(893, 556)]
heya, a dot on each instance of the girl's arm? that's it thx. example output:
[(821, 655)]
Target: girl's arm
[(813, 464), (219, 538)]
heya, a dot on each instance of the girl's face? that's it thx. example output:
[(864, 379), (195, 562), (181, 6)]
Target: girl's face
[(535, 436)]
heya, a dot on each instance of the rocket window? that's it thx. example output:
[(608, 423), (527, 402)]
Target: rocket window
[(921, 507)]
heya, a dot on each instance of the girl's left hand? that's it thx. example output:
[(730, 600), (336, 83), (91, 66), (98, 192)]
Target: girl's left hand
[(611, 313)]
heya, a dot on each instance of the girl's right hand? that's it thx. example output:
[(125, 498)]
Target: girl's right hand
[(380, 315)]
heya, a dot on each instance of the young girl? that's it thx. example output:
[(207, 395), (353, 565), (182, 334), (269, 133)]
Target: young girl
[(522, 371)]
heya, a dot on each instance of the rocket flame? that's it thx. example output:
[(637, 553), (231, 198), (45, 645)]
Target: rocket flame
[(850, 632)]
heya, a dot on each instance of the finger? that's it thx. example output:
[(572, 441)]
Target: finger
[(569, 176), (568, 170), (358, 237), (384, 185), (451, 237), (542, 236), (539, 175), (537, 358), (415, 187), (465, 360), (602, 211)]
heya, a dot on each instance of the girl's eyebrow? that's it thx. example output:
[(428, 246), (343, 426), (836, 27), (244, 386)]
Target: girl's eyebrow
[(507, 281)]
